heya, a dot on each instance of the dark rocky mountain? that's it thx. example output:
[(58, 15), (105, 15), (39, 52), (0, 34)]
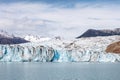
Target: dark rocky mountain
[(5, 38), (105, 32)]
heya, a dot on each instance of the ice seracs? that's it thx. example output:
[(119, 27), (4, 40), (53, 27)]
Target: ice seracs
[(32, 38)]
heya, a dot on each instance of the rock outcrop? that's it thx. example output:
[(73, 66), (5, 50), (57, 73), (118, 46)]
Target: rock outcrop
[(114, 48)]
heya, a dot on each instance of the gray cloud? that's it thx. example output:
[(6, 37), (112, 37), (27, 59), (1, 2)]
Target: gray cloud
[(48, 20)]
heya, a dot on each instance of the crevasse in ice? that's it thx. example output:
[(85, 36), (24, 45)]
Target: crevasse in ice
[(80, 50)]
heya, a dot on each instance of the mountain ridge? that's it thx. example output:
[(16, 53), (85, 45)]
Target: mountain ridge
[(6, 38), (104, 32)]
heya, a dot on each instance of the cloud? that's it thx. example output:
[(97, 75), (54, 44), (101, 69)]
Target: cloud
[(49, 20)]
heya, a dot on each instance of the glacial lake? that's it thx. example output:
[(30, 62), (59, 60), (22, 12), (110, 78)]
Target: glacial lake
[(59, 71)]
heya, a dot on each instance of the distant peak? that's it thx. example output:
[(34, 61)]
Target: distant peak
[(104, 32), (6, 38), (5, 34)]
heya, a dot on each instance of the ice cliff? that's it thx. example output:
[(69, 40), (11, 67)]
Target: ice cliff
[(55, 50)]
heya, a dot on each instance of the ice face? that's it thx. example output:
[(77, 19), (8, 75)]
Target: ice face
[(81, 50), (25, 53)]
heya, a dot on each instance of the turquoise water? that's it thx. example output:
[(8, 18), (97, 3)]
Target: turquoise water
[(59, 71)]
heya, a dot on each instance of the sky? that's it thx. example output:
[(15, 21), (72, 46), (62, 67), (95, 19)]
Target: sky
[(65, 18)]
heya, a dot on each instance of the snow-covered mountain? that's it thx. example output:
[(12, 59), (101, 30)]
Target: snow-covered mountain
[(4, 34), (32, 38), (105, 32), (6, 38)]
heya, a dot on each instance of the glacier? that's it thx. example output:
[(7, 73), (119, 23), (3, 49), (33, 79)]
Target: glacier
[(57, 50)]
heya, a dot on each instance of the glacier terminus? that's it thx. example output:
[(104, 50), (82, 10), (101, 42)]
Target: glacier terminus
[(57, 50)]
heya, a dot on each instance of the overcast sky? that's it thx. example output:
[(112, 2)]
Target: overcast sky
[(66, 18)]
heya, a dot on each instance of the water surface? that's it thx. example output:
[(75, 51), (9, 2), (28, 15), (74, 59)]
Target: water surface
[(59, 71)]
